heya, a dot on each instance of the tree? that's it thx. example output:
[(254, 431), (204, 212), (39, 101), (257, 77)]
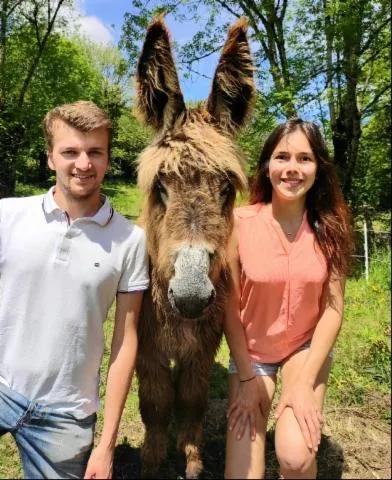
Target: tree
[(131, 138), (325, 59), (266, 19), (40, 16), (358, 40), (65, 74)]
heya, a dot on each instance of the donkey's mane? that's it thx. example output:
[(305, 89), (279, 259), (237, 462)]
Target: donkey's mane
[(193, 145), (189, 174)]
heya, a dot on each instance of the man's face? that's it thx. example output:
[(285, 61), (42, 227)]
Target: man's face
[(80, 160)]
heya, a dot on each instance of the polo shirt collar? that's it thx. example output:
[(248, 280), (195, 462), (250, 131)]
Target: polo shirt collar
[(102, 217)]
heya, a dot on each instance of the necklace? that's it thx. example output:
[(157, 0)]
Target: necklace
[(290, 224), (291, 234)]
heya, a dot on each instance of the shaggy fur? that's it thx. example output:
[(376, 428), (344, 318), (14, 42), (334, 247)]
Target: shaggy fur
[(190, 175)]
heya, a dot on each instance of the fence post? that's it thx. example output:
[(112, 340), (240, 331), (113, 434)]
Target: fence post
[(366, 249)]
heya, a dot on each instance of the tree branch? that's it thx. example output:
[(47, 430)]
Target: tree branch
[(376, 54), (11, 10), (372, 35), (224, 5), (37, 58), (255, 27), (201, 57), (284, 9), (189, 69), (376, 98)]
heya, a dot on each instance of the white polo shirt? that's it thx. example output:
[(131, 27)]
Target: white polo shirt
[(58, 280)]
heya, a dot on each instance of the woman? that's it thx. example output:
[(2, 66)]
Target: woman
[(289, 255)]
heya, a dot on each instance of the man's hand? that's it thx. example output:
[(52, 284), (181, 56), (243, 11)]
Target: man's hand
[(302, 400), (100, 464)]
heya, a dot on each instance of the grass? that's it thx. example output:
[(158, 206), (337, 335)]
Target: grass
[(363, 348), (125, 197), (360, 377)]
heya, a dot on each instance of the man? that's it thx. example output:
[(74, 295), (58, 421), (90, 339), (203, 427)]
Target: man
[(64, 256)]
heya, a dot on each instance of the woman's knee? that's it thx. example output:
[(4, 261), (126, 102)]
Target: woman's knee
[(295, 458)]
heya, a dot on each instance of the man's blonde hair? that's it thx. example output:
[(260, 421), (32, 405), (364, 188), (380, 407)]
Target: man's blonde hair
[(83, 115)]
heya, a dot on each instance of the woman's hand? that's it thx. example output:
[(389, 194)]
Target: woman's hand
[(244, 408), (301, 398)]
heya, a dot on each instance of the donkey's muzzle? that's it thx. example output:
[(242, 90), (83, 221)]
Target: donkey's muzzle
[(190, 289)]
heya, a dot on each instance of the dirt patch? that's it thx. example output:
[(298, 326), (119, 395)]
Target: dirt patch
[(355, 444)]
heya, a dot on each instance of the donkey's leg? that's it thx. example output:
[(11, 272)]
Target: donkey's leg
[(191, 404), (156, 397)]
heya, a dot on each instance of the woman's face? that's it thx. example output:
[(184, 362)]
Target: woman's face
[(292, 167)]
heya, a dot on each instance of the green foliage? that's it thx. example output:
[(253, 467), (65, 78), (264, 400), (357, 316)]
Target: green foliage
[(361, 367), (372, 177), (71, 69), (251, 139), (124, 197), (28, 189), (131, 138), (65, 74), (328, 61), (363, 349)]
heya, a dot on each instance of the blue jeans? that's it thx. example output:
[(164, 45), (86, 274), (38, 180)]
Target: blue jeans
[(51, 444)]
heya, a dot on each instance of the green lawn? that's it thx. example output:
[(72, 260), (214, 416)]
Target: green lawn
[(125, 198), (361, 369)]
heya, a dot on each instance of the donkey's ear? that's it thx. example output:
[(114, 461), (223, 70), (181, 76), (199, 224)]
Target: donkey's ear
[(231, 98), (159, 97)]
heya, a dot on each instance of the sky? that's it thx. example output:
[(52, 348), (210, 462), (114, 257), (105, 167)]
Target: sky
[(101, 21)]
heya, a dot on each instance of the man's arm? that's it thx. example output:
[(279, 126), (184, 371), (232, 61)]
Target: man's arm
[(121, 368)]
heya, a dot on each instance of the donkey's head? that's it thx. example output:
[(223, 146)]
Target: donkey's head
[(193, 168)]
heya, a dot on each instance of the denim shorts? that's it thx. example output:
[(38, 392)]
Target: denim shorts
[(270, 369), (51, 444)]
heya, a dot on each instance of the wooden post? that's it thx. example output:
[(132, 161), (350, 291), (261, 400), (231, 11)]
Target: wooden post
[(366, 249)]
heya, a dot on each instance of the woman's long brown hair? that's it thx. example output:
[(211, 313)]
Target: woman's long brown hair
[(328, 214)]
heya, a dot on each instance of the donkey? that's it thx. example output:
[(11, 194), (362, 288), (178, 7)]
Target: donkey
[(190, 175)]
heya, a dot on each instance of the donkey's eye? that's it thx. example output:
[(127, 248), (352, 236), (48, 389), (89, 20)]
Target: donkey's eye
[(226, 190), (161, 192), (227, 195)]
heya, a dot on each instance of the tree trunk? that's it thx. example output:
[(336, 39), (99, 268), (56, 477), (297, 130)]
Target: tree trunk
[(43, 172), (7, 177), (345, 114), (11, 141)]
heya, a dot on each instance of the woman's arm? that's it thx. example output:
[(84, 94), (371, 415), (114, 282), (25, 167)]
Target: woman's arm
[(233, 327), (326, 332), (247, 401)]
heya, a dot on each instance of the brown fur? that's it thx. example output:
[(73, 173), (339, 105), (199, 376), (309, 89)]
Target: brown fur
[(190, 174)]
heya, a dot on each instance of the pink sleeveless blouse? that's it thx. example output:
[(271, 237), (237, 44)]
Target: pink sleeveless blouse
[(282, 284)]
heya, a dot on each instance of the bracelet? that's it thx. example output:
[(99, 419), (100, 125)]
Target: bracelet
[(248, 379)]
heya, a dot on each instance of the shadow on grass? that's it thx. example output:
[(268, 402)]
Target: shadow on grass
[(127, 458)]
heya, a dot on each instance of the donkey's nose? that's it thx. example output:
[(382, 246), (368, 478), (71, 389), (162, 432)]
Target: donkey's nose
[(190, 289), (212, 297), (190, 305)]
